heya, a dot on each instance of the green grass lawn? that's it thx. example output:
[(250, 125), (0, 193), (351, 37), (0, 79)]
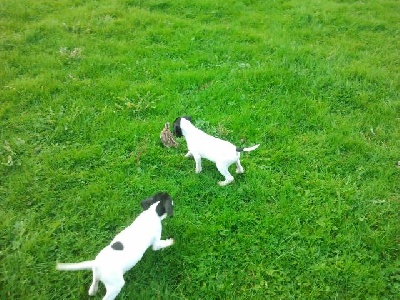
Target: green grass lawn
[(86, 87)]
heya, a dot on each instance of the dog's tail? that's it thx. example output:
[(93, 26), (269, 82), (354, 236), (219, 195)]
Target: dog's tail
[(85, 265), (247, 149)]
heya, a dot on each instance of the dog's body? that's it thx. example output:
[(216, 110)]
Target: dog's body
[(202, 145), (128, 247)]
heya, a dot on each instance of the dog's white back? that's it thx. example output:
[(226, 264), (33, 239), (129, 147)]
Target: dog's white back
[(127, 247)]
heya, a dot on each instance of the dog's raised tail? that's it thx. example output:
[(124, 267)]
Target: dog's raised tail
[(248, 149), (84, 265)]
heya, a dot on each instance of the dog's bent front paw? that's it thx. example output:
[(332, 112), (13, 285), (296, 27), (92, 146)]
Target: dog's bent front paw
[(170, 242)]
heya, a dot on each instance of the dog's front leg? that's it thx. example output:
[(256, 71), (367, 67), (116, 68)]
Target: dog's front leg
[(197, 159), (160, 244)]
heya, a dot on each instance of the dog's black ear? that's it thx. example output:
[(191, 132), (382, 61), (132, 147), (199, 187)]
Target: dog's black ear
[(177, 127), (169, 207), (164, 205), (146, 203)]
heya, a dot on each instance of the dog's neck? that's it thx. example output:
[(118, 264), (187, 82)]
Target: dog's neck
[(187, 126)]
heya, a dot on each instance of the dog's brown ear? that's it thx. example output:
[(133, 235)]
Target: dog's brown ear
[(146, 203)]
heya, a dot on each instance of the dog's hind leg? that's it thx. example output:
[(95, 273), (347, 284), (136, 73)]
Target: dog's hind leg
[(239, 168), (114, 283), (223, 169), (95, 284)]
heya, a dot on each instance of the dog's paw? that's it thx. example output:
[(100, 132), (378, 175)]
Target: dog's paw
[(93, 290), (225, 182), (198, 170), (170, 242), (240, 171)]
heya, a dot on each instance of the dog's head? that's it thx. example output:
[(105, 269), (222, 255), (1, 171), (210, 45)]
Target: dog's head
[(177, 125), (165, 204)]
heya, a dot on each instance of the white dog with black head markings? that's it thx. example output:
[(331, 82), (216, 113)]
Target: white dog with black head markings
[(128, 247), (202, 145)]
